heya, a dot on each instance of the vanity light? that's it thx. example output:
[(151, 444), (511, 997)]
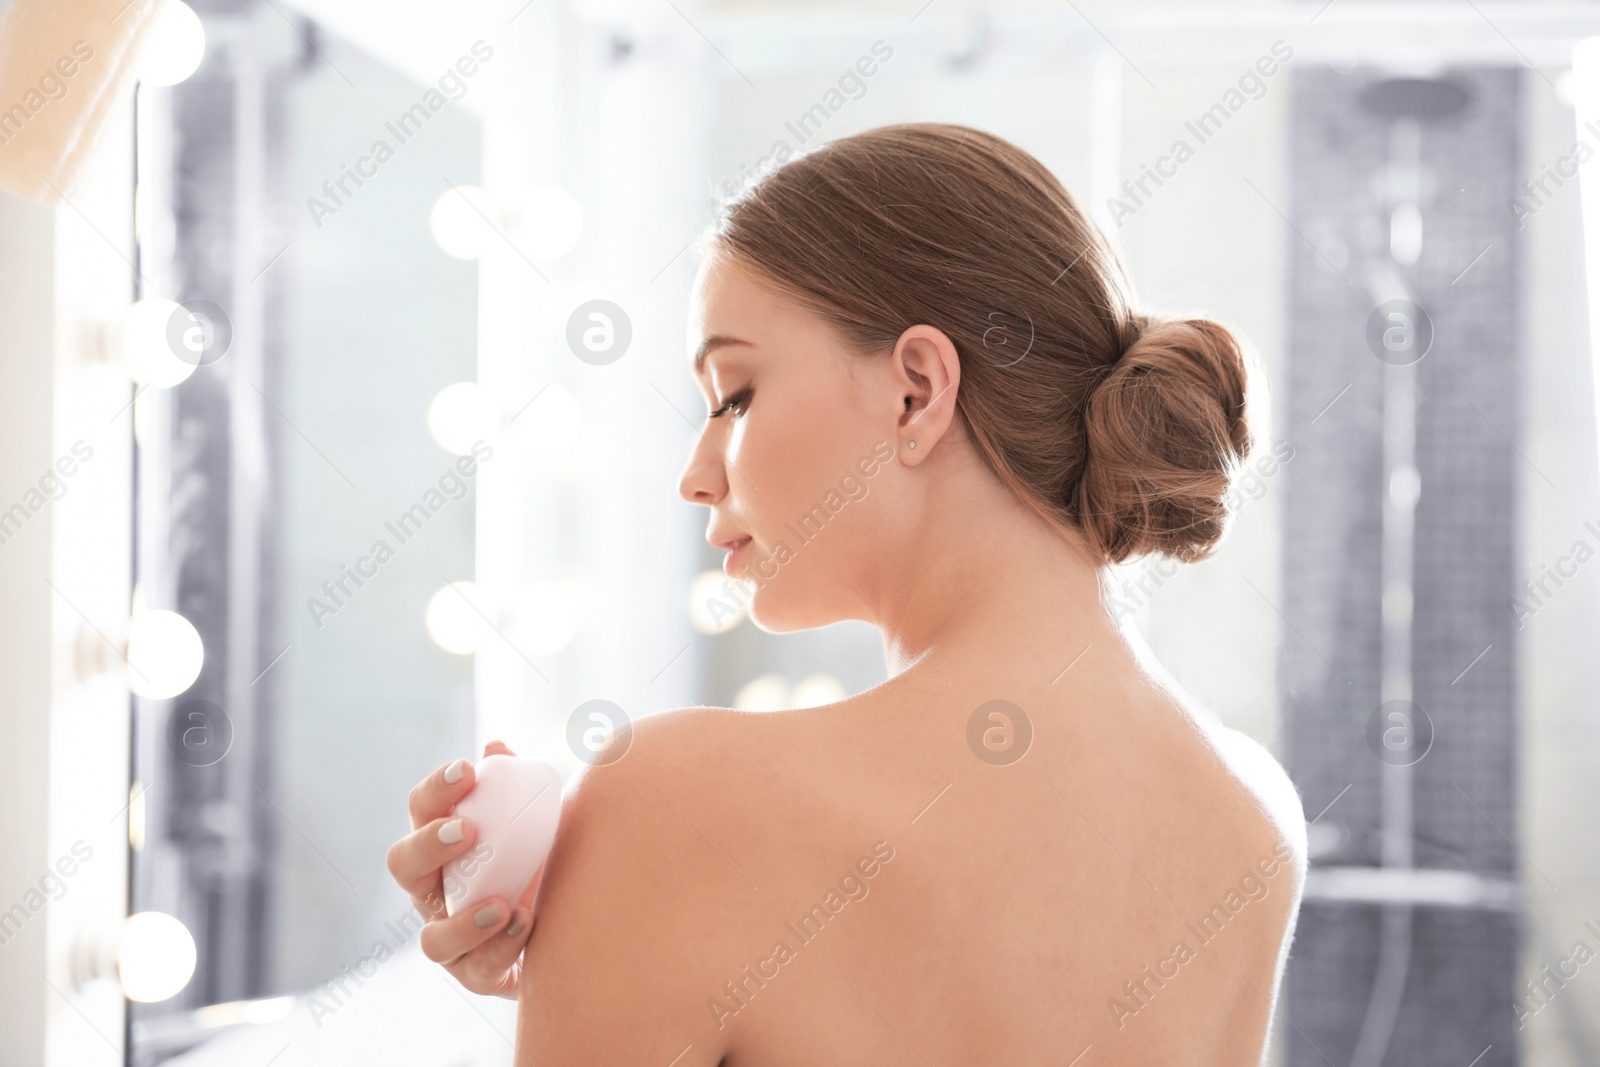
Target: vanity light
[(149, 356), (716, 602), (455, 618), (766, 693), (459, 416), (816, 690), (175, 45), (462, 221), (151, 954), (156, 957), (165, 654)]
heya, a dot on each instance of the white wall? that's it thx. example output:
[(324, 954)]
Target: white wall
[(27, 234)]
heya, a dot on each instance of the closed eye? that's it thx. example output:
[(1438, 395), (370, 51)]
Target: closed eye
[(738, 403)]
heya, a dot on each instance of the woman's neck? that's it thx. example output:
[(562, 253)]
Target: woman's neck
[(990, 582)]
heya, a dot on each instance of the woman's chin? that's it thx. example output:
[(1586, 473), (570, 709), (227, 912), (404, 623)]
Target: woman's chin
[(770, 618), (772, 613)]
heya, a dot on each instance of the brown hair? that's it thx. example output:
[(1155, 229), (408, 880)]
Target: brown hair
[(1127, 427)]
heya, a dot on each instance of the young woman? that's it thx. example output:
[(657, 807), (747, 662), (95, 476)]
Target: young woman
[(933, 408)]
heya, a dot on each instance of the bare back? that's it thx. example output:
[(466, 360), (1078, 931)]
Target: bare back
[(877, 892)]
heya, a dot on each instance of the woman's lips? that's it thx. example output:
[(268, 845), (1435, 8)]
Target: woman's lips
[(734, 547)]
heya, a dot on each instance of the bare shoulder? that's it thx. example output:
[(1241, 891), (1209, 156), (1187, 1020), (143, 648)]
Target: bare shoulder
[(688, 750), (1264, 776), (629, 810), (641, 895)]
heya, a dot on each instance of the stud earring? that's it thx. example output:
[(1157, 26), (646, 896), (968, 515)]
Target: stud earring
[(911, 444)]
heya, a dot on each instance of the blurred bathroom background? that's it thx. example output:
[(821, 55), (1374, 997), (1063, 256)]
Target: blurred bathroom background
[(409, 482)]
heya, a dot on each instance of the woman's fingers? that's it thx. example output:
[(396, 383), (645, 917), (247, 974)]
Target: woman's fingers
[(480, 946), (491, 969), (416, 859), (445, 940), (436, 794)]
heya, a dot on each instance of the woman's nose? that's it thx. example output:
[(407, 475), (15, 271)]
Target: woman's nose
[(703, 480)]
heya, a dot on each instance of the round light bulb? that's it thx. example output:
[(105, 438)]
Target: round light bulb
[(766, 693), (552, 222), (456, 618), (151, 361), (165, 654), (175, 44), (155, 958), (717, 603), (460, 416), (817, 690), (461, 221), (547, 618)]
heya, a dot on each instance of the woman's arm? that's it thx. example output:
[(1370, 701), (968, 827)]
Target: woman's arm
[(634, 911)]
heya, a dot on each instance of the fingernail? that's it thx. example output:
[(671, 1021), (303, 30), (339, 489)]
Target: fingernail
[(455, 771), (488, 916), (451, 832), (516, 926)]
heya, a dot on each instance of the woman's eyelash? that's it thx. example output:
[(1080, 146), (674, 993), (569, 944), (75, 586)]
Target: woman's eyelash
[(740, 400)]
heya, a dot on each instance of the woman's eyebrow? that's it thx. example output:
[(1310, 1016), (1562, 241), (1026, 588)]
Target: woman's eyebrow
[(711, 344)]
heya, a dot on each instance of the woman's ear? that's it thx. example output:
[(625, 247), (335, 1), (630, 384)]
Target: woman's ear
[(927, 373)]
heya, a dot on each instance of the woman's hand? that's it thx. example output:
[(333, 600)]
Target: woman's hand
[(481, 946)]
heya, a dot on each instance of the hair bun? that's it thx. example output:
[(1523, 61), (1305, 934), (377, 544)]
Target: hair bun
[(1165, 431)]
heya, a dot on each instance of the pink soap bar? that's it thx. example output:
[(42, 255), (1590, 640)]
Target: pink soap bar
[(516, 805)]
